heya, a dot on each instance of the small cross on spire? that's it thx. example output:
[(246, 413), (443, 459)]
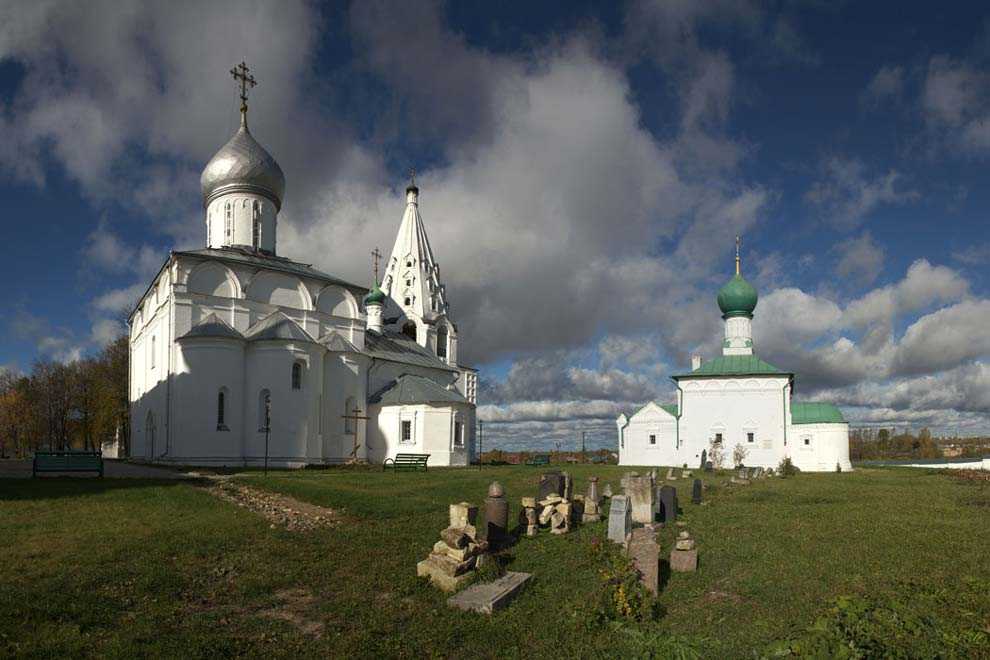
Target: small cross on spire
[(242, 74), (738, 244), (376, 255), (412, 177)]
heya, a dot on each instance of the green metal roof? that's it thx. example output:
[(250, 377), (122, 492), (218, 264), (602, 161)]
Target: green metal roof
[(396, 347), (734, 365), (375, 296), (670, 407), (816, 413), (409, 389), (737, 297)]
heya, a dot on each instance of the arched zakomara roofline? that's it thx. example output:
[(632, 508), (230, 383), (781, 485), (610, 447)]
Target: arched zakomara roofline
[(203, 268), (327, 303)]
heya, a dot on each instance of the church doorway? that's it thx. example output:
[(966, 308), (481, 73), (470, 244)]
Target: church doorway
[(149, 435)]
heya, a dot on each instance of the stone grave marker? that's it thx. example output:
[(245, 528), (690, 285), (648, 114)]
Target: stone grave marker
[(491, 596), (551, 483), (644, 550), (668, 505), (619, 519), (496, 514), (696, 492), (704, 459), (684, 556), (641, 496)]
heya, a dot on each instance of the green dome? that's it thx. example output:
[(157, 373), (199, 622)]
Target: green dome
[(737, 297), (375, 297)]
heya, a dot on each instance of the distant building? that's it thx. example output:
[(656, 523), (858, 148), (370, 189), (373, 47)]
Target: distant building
[(233, 339), (736, 400)]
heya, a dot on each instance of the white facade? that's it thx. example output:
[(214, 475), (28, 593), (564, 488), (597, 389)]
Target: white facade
[(232, 341), (735, 401)]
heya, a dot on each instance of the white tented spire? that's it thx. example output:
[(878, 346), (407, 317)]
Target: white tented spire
[(412, 276)]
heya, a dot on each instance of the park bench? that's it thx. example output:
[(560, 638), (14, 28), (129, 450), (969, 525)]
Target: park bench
[(67, 461), (407, 462), (539, 459)]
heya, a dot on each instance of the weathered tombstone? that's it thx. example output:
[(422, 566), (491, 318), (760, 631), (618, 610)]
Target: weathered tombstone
[(527, 516), (687, 474), (496, 514), (696, 492), (592, 502), (645, 554), (568, 487), (684, 556), (668, 504), (743, 473), (607, 492), (463, 514), (492, 596), (704, 459), (641, 496), (551, 483), (670, 474), (619, 519), (709, 467)]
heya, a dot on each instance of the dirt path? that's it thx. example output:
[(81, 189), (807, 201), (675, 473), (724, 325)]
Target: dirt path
[(279, 510)]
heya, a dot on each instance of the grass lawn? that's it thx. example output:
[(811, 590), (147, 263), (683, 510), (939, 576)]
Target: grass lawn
[(126, 568)]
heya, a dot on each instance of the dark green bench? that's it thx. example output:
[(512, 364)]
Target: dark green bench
[(407, 462), (539, 459), (67, 461)]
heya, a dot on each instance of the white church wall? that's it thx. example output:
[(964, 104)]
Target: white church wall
[(204, 368), (819, 447), (733, 407), (343, 385), (274, 288), (149, 364), (268, 367), (432, 433), (635, 447), (212, 278)]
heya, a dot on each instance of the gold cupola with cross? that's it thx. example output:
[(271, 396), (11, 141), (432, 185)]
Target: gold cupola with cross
[(242, 186)]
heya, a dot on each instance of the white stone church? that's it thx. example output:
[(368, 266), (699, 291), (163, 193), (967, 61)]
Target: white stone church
[(234, 346), (736, 400)]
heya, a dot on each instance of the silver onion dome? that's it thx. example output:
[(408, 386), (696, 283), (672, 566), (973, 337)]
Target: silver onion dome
[(242, 165)]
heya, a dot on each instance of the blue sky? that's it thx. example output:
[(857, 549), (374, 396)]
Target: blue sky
[(585, 169)]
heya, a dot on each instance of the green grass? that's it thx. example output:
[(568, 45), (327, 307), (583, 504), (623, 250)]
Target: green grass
[(125, 568)]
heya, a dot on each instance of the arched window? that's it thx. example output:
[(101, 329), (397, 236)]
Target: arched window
[(264, 410), (408, 301), (296, 375), (209, 226), (442, 341), (409, 330), (222, 409), (228, 221), (152, 351), (256, 226)]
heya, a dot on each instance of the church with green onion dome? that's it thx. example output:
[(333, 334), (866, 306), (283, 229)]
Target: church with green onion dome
[(736, 405)]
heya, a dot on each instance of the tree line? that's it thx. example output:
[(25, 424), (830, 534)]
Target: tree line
[(58, 406), (882, 443)]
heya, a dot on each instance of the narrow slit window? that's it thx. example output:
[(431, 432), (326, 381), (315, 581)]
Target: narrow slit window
[(406, 431), (653, 439), (750, 437), (296, 376)]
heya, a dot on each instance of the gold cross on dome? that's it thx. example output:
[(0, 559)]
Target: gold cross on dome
[(738, 244), (242, 74)]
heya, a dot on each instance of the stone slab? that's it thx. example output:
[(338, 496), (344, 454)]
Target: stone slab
[(684, 561), (491, 596), (439, 577), (619, 519), (644, 550)]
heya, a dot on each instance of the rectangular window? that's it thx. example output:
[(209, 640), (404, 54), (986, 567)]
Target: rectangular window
[(406, 431), (152, 351), (718, 438), (750, 437), (458, 434), (653, 439), (807, 442)]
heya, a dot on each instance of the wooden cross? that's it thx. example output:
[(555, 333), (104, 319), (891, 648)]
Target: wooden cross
[(242, 75), (354, 415), (376, 255)]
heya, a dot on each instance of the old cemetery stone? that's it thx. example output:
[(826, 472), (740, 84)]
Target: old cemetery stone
[(455, 555), (551, 483), (709, 467), (641, 496), (496, 515), (527, 516), (644, 550), (626, 477), (619, 519), (568, 493), (491, 596), (686, 474), (704, 459), (592, 502), (668, 504), (696, 492), (743, 473), (684, 556), (607, 492)]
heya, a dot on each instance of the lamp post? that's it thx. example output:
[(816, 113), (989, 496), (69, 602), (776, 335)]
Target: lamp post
[(268, 427)]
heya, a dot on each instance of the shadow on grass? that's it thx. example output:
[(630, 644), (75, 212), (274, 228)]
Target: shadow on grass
[(48, 488)]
